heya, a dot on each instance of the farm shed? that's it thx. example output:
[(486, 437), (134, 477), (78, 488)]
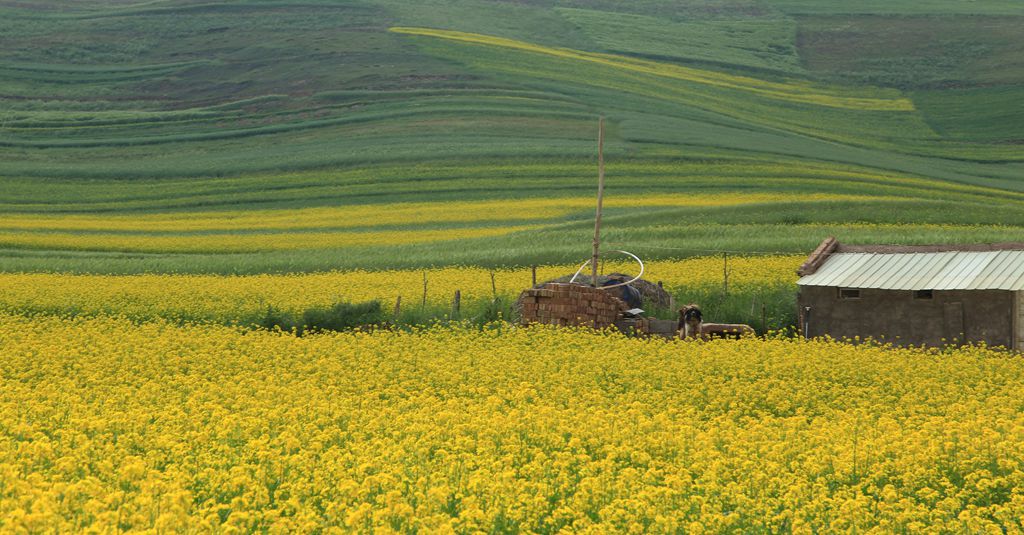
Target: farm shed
[(912, 295)]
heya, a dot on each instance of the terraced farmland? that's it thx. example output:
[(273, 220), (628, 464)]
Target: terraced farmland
[(193, 192), (243, 137)]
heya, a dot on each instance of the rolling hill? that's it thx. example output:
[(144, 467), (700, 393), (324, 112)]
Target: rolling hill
[(261, 260), (302, 135)]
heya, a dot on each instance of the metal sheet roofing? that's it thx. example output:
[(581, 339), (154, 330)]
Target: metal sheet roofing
[(951, 270)]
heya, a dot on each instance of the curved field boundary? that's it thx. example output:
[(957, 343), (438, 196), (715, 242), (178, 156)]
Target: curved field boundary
[(393, 214), (791, 91)]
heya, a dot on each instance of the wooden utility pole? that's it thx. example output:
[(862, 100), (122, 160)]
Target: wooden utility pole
[(600, 202)]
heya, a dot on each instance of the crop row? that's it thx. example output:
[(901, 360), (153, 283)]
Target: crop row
[(396, 214)]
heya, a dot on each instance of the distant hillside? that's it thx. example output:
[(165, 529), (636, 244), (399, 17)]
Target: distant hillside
[(118, 107), (148, 80)]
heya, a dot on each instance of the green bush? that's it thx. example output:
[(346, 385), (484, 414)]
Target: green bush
[(274, 318), (343, 316), (340, 316)]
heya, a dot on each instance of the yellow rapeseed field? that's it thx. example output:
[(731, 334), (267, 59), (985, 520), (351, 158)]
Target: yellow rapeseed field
[(338, 227), (243, 242), (226, 298), (109, 426), (389, 214)]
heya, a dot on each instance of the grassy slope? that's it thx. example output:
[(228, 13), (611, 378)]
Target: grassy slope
[(115, 109)]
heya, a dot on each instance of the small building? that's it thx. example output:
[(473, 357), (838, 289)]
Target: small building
[(931, 295)]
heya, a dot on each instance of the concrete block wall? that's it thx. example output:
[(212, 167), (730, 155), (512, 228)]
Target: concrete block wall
[(1018, 304), (898, 317), (649, 327)]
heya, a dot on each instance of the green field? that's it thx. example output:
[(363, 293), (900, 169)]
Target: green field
[(884, 122), (261, 264)]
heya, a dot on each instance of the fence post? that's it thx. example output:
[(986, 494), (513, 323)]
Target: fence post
[(725, 274), (494, 287), (764, 319), (457, 303), (533, 270), (398, 307), (424, 303), (671, 298)]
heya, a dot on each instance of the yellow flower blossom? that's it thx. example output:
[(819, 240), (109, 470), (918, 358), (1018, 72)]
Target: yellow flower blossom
[(112, 425), (224, 299)]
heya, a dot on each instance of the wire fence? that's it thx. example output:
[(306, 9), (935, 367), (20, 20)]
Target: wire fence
[(711, 252)]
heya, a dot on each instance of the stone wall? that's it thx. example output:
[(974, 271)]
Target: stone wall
[(571, 304)]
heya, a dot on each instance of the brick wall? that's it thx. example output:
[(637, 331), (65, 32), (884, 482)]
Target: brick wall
[(571, 304)]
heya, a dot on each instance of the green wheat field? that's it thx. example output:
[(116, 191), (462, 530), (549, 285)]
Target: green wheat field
[(136, 136)]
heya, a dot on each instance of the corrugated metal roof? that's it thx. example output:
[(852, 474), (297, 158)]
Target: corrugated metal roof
[(951, 270)]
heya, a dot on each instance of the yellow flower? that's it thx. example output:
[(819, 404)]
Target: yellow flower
[(108, 424)]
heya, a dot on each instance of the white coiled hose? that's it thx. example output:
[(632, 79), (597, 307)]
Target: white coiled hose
[(631, 281)]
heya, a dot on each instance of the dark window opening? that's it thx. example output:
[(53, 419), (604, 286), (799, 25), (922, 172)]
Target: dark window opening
[(923, 294), (849, 293)]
